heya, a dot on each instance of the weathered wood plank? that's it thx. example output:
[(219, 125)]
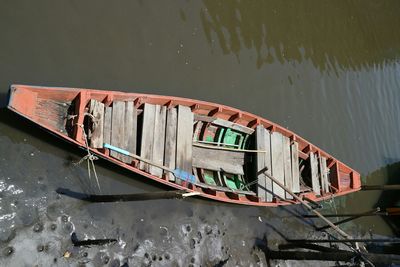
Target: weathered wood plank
[(314, 174), (295, 167), (170, 141), (117, 127), (146, 147), (130, 125), (159, 139), (261, 163), (218, 160), (278, 170), (324, 174), (107, 125), (97, 133), (184, 139), (224, 123), (287, 162)]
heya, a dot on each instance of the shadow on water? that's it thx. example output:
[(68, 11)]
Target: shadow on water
[(72, 153), (3, 99), (388, 199), (352, 33)]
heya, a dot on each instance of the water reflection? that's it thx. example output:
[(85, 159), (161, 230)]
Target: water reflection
[(387, 199), (350, 33), (366, 200)]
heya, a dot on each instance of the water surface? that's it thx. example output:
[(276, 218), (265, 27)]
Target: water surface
[(329, 71)]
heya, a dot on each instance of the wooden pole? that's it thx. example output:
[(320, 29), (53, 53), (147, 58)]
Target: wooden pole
[(381, 187), (350, 219), (365, 240), (340, 255), (334, 227)]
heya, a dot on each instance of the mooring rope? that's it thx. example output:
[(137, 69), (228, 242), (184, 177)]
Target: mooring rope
[(90, 158)]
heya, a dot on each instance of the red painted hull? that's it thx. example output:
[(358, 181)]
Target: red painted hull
[(26, 101)]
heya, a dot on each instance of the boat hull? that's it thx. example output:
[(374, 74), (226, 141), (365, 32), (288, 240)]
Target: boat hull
[(25, 101)]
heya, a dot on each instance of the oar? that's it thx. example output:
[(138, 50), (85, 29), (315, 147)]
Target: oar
[(178, 173), (334, 227)]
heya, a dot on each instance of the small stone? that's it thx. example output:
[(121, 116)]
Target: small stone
[(38, 227), (64, 218), (106, 259), (8, 251), (40, 248), (53, 226), (208, 230), (115, 263), (167, 256), (67, 254), (199, 236), (192, 243), (32, 154)]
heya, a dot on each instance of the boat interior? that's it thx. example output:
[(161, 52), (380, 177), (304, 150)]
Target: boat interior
[(230, 153)]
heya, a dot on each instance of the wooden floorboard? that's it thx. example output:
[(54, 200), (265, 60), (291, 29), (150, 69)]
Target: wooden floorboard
[(170, 141), (278, 170), (117, 128), (146, 146), (130, 120), (218, 160), (184, 142), (314, 174), (287, 162), (264, 185), (159, 139), (295, 167), (324, 174), (107, 125), (97, 134)]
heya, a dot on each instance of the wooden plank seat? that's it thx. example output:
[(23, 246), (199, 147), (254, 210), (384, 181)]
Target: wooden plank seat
[(96, 133), (218, 160), (184, 139), (123, 128), (315, 183), (264, 185), (324, 175)]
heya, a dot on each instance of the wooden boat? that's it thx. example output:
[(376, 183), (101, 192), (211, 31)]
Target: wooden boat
[(230, 154)]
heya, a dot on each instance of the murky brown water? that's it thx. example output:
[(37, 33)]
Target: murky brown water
[(330, 71)]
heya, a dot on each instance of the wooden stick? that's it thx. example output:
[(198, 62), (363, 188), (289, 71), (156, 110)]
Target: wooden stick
[(340, 255), (334, 227), (214, 143), (381, 187), (365, 240), (349, 219), (316, 204), (373, 212), (228, 148)]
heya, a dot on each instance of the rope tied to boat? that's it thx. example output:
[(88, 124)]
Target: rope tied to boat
[(90, 158)]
